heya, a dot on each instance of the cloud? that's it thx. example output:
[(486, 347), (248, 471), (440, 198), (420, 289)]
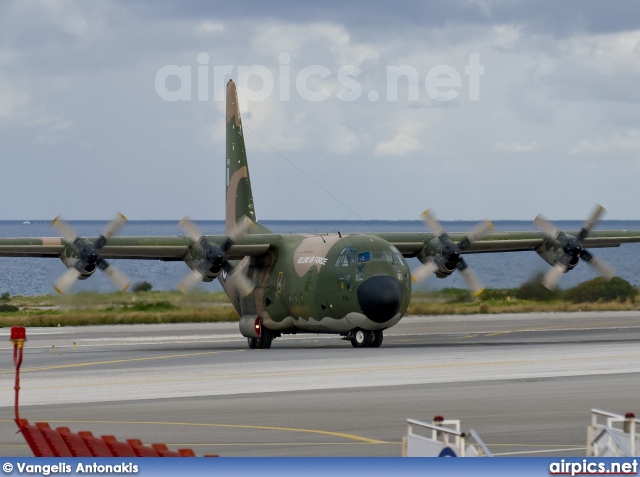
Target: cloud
[(77, 81), (13, 101), (517, 146), (559, 19), (301, 42), (401, 145), (208, 27), (343, 141), (624, 142)]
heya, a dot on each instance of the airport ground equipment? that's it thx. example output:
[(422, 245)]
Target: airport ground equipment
[(613, 435), (441, 438), (45, 441)]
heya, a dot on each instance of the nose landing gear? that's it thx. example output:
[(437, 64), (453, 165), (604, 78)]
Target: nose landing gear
[(365, 339)]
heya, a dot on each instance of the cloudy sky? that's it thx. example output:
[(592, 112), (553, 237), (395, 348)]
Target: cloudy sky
[(89, 123)]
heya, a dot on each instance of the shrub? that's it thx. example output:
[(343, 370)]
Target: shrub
[(6, 296), (599, 289), (8, 308), (156, 306), (454, 295), (141, 287), (532, 289)]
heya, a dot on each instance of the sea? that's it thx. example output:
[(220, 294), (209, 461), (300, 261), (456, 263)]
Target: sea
[(35, 276)]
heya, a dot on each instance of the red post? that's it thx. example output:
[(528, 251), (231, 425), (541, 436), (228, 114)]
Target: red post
[(18, 336)]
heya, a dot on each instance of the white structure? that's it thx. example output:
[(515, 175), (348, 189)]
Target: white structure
[(437, 440), (613, 435)]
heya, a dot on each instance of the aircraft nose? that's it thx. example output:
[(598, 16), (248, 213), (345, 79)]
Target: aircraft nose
[(380, 298)]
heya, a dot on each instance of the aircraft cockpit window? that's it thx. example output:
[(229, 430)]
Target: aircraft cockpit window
[(388, 257), (381, 256), (364, 257), (347, 257), (398, 259)]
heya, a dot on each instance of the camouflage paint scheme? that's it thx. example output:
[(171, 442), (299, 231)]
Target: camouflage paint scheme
[(302, 282)]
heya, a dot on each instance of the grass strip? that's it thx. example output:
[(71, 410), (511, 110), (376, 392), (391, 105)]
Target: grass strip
[(173, 307)]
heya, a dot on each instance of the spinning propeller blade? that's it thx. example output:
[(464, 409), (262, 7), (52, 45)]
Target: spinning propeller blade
[(215, 258), (450, 253), (88, 254), (573, 248)]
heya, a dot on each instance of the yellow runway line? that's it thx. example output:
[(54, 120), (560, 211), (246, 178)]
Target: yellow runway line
[(114, 361), (231, 426)]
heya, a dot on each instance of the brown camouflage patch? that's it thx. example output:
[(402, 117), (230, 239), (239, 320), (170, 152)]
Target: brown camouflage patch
[(233, 110), (232, 192), (312, 251), (51, 241)]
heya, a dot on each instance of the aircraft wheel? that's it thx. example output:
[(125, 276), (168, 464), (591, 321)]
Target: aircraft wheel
[(376, 339), (253, 343), (264, 342), (361, 338)]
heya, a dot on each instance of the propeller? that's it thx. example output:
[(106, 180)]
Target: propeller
[(573, 248), (450, 253), (88, 254), (214, 255)]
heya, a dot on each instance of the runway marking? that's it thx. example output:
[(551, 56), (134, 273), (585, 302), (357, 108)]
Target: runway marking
[(434, 366), (501, 333), (360, 439), (222, 338), (594, 327), (229, 377), (149, 341), (156, 339), (139, 343), (254, 444), (533, 445), (275, 444), (113, 361), (41, 332), (540, 451)]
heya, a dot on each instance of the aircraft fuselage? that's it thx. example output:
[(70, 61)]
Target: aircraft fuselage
[(324, 284)]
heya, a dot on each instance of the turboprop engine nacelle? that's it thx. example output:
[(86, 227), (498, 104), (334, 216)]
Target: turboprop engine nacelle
[(81, 256), (551, 253), (437, 252), (206, 262)]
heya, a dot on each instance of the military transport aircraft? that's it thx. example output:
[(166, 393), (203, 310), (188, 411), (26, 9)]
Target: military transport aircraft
[(353, 285)]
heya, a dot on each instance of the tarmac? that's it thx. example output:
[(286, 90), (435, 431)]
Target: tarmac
[(524, 382)]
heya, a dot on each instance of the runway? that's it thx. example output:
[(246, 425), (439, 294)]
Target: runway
[(525, 383)]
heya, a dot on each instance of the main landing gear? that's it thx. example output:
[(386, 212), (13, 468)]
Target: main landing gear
[(264, 342), (365, 339)]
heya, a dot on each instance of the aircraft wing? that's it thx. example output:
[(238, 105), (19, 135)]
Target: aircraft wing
[(412, 243), (138, 248)]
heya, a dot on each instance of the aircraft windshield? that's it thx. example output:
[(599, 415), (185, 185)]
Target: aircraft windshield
[(347, 257), (350, 256), (390, 256)]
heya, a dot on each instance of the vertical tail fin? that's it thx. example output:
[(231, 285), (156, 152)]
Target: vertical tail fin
[(239, 198)]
